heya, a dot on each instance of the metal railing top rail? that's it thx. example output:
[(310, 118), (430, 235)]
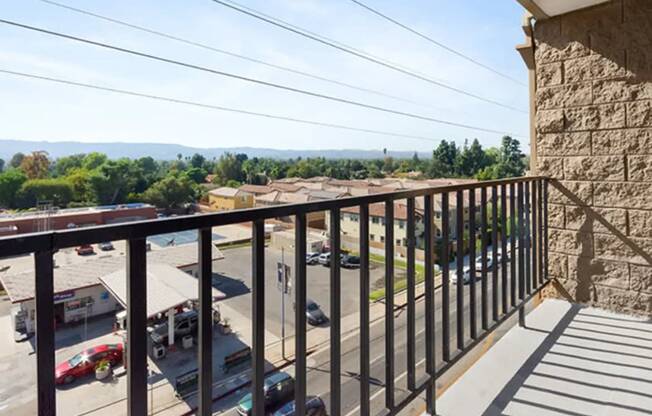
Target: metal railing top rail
[(59, 239)]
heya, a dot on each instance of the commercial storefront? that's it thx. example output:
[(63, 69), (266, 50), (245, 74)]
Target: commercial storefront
[(79, 293)]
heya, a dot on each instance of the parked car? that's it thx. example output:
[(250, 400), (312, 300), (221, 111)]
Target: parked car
[(314, 407), (279, 389), (466, 275), (351, 262), (85, 250), (325, 259), (185, 323), (84, 363), (106, 246), (312, 258)]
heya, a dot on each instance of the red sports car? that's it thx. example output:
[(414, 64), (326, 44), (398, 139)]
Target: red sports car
[(85, 362)]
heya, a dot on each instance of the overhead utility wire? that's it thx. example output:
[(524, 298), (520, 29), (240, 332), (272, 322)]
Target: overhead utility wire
[(233, 54), (212, 107), (437, 43), (360, 54), (244, 78)]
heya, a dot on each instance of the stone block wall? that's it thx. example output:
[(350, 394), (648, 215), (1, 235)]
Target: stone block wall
[(594, 137)]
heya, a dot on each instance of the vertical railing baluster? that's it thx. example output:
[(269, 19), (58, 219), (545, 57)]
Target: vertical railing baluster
[(445, 278), (504, 290), (534, 236), (45, 363), (411, 283), (472, 302), (430, 304), (136, 327), (521, 264), (300, 313), (528, 248), (389, 304), (494, 253), (205, 296), (460, 268), (364, 311), (483, 272), (258, 317), (540, 233), (545, 229), (335, 289), (512, 243)]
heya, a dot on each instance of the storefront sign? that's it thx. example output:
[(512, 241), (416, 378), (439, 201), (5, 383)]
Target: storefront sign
[(58, 297)]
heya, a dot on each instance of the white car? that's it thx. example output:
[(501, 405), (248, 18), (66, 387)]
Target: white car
[(466, 275)]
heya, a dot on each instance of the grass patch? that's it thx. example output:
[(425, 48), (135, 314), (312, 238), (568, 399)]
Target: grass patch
[(399, 284)]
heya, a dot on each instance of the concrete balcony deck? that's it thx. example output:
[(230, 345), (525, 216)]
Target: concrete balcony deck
[(570, 360)]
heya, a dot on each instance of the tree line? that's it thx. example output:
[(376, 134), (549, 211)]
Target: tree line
[(93, 178)]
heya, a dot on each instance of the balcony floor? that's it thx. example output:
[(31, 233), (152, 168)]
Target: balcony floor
[(570, 360)]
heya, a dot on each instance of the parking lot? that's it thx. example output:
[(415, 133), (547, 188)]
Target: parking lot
[(234, 280)]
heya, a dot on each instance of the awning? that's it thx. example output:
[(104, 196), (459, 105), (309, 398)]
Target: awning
[(543, 9), (167, 288)]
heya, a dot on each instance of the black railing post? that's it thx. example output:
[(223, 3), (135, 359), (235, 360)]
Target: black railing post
[(335, 289), (535, 236), (205, 350), (389, 304), (483, 272), (364, 310), (540, 232), (429, 288), (460, 269), (512, 243), (494, 253), (528, 247), (258, 317), (504, 290), (545, 229), (300, 313), (411, 283), (472, 241), (136, 327), (45, 363), (521, 264), (445, 278)]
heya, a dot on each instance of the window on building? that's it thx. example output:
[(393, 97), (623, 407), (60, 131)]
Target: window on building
[(382, 238), (398, 241), (375, 220), (466, 225), (437, 214), (401, 224), (372, 237), (438, 233)]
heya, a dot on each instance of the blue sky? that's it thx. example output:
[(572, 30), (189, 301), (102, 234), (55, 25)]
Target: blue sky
[(36, 110)]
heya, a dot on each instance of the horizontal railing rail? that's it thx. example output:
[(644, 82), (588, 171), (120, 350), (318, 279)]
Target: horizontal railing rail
[(513, 222)]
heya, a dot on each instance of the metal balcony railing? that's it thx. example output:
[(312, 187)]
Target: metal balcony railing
[(524, 198)]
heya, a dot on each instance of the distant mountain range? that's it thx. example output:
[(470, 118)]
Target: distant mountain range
[(164, 151)]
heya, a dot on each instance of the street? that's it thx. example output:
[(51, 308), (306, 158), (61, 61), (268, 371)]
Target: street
[(318, 375)]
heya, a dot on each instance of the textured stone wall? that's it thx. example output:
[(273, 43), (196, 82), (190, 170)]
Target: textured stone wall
[(594, 137)]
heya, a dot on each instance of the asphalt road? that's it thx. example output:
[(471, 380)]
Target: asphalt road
[(319, 363)]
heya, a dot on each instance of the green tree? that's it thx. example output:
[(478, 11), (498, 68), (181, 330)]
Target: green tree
[(80, 180), (66, 163), (171, 192), (2, 165), (229, 166), (10, 182), (443, 160), (16, 160), (57, 190), (197, 161), (113, 181), (471, 160), (197, 175), (94, 160)]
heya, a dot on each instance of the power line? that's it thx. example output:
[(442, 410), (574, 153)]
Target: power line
[(360, 54), (247, 79), (213, 107), (233, 54), (437, 43)]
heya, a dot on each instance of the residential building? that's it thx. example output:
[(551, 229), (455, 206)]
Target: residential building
[(227, 199)]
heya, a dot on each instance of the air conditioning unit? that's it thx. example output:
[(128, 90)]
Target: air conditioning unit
[(158, 351)]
